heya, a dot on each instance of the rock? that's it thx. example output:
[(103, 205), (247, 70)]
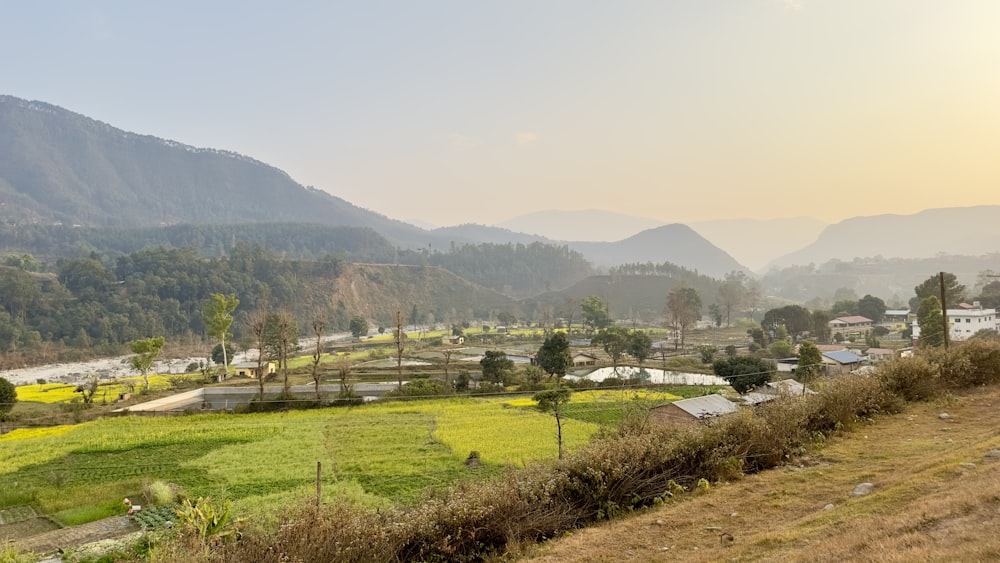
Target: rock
[(733, 515), (828, 507), (863, 489), (944, 416), (949, 441), (993, 454), (665, 548), (658, 522), (967, 465)]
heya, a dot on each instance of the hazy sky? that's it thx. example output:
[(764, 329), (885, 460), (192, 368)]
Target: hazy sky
[(448, 112)]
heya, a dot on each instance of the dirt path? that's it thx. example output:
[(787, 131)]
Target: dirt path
[(936, 497), (74, 536)]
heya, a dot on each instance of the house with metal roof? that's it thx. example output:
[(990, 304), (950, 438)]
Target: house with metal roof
[(840, 362), (693, 410)]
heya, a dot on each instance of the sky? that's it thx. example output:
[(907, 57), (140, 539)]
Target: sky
[(447, 112)]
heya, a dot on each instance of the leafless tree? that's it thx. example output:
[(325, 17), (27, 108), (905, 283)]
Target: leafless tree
[(318, 326)]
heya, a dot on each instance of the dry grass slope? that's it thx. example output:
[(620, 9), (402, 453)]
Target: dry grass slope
[(936, 497)]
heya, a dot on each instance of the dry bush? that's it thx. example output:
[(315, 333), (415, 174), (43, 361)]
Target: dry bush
[(846, 399), (974, 362), (913, 379)]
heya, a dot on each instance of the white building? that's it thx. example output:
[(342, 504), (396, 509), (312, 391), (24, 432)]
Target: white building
[(966, 321)]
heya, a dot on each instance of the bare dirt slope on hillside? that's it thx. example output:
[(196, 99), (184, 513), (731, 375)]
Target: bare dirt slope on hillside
[(936, 497)]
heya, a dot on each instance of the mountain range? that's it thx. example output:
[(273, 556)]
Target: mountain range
[(62, 168)]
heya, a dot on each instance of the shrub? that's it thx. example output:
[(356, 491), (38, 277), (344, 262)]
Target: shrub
[(912, 379)]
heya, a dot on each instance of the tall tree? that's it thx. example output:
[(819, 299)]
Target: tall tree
[(614, 341), (146, 351), (497, 367), (282, 340), (8, 396), (640, 345), (931, 322), (256, 322), (218, 317), (358, 326), (810, 361), (821, 325), (872, 307), (399, 337), (553, 356), (595, 313), (795, 318), (318, 326), (553, 400), (931, 287), (683, 308), (732, 293)]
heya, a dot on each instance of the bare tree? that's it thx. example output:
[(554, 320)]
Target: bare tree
[(318, 326), (399, 336), (447, 361), (285, 339), (256, 323)]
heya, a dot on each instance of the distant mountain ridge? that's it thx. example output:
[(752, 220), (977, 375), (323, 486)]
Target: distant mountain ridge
[(967, 231), (60, 167)]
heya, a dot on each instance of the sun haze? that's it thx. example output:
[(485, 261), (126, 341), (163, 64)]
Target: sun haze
[(448, 112)]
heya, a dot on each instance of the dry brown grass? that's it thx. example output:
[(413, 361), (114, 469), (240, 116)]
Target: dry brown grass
[(926, 505)]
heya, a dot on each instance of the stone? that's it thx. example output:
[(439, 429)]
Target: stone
[(862, 489), (944, 416), (828, 507), (993, 454), (967, 465)]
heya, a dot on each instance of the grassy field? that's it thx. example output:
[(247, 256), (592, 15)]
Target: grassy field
[(387, 452), (107, 390)]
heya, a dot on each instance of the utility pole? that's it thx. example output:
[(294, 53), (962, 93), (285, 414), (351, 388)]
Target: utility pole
[(944, 309)]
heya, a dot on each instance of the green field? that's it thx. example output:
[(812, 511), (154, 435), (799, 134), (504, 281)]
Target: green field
[(379, 453)]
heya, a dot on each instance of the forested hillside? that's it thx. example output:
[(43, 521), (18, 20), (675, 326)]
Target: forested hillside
[(98, 304), (516, 269)]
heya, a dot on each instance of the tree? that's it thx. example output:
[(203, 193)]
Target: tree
[(821, 325), (810, 361), (8, 396), (358, 326), (506, 319), (282, 340), (399, 337), (614, 341), (684, 308), (845, 308), (553, 400), (931, 287), (146, 351), (931, 322), (732, 293), (707, 353), (595, 313), (318, 326), (872, 307), (220, 353), (553, 356), (744, 372), (88, 389), (715, 313), (795, 318), (256, 322), (218, 317), (639, 345), (780, 349), (497, 367)]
